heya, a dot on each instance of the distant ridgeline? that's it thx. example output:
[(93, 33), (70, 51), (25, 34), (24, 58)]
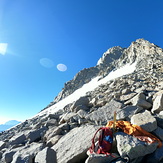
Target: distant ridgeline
[(8, 125)]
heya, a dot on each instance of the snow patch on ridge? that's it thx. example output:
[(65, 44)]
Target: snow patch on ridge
[(94, 83)]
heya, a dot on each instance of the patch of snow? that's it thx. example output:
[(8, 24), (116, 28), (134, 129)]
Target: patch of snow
[(94, 83)]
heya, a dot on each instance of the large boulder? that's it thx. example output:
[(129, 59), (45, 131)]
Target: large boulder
[(158, 102), (36, 135), (105, 113), (145, 120), (47, 155), (127, 112), (27, 153), (82, 101), (73, 146), (140, 100), (131, 146), (18, 139)]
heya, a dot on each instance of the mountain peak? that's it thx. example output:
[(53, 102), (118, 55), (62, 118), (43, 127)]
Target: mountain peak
[(141, 51), (89, 101)]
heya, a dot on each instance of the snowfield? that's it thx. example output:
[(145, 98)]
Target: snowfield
[(94, 83)]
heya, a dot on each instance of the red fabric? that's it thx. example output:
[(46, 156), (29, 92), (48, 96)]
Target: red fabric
[(104, 147)]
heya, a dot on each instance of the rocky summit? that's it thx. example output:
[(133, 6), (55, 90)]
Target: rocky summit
[(62, 132)]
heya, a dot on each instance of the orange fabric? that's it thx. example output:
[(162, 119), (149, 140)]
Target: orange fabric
[(136, 131)]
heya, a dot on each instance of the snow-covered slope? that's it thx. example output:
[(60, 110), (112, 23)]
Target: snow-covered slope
[(94, 83)]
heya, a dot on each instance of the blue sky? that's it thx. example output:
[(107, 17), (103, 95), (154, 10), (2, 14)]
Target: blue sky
[(39, 35)]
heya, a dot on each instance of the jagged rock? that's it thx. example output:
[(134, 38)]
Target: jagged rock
[(100, 103), (159, 133), (80, 107), (82, 101), (52, 132), (55, 115), (47, 155), (127, 112), (36, 135), (158, 102), (18, 139), (60, 130), (2, 145), (127, 96), (8, 156), (81, 78), (145, 120), (51, 122), (82, 113), (27, 153), (53, 140), (75, 144), (131, 146), (140, 100), (66, 117), (105, 113), (110, 55)]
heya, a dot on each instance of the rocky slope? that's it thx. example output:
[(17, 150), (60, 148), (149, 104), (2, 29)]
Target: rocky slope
[(65, 135)]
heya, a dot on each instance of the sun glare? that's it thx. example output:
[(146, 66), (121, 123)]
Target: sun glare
[(3, 48)]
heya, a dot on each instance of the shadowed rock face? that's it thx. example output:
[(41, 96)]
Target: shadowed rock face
[(65, 135)]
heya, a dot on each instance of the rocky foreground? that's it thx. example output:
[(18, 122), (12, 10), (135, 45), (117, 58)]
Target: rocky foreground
[(65, 136)]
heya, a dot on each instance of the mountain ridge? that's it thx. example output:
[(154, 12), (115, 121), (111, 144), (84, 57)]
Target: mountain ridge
[(131, 85), (8, 124), (109, 62)]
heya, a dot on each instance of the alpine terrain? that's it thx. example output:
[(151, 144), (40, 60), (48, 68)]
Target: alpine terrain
[(8, 125), (128, 81)]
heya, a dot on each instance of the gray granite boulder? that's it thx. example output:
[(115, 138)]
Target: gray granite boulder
[(158, 102), (140, 100), (53, 140), (105, 113), (72, 147), (131, 146), (145, 120), (18, 139), (47, 155), (27, 153), (82, 101), (127, 112), (36, 135), (67, 117)]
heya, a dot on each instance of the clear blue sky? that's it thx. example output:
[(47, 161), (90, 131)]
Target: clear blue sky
[(40, 34)]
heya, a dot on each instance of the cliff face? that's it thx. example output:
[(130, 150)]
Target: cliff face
[(147, 55), (63, 133)]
